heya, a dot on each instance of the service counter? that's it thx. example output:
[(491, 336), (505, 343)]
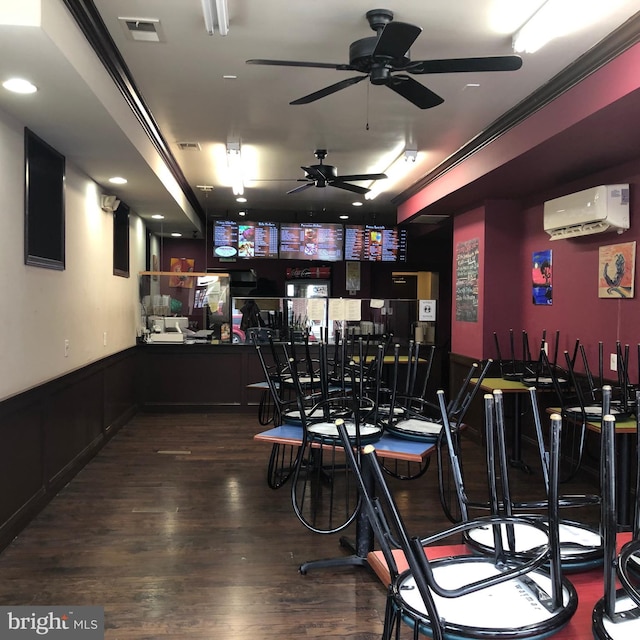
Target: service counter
[(197, 376)]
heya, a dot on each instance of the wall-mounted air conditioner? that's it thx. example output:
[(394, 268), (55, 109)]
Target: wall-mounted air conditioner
[(595, 210)]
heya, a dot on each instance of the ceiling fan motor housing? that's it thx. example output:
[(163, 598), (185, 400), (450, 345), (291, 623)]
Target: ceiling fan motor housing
[(360, 57)]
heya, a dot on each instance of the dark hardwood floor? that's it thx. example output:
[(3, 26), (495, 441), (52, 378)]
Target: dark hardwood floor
[(173, 529)]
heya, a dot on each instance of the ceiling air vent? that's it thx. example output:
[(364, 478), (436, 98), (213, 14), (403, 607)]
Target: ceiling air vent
[(142, 29), (189, 146)]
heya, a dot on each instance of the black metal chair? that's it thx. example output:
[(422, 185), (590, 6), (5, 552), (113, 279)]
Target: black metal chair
[(616, 615), (581, 545), (323, 494), (464, 596)]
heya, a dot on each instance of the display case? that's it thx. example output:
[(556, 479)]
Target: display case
[(197, 308), (185, 307)]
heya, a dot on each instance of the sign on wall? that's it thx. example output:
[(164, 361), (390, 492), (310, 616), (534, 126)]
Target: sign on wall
[(467, 269)]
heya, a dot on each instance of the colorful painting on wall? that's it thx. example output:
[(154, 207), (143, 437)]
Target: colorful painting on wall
[(541, 277), (181, 265), (616, 270)]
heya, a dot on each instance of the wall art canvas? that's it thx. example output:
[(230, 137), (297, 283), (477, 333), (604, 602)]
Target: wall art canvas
[(616, 270), (178, 266), (541, 277)]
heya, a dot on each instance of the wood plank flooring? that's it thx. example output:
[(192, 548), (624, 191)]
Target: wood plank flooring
[(191, 543)]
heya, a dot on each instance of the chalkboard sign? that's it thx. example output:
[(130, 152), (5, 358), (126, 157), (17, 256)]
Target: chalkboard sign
[(467, 256)]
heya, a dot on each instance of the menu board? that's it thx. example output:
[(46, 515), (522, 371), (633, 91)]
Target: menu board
[(311, 241), (375, 243), (245, 239)]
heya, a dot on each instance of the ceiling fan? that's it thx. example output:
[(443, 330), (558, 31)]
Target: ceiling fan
[(324, 175), (379, 56)]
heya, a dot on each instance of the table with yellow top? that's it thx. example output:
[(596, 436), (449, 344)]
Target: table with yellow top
[(514, 389)]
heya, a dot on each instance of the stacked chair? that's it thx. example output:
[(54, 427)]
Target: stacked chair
[(466, 596), (581, 545), (324, 495), (616, 615)]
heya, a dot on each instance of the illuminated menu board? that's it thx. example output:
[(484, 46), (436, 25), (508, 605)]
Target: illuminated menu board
[(375, 243), (245, 240), (311, 241)]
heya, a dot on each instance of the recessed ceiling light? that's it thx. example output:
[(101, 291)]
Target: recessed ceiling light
[(176, 235), (344, 217), (19, 85), (157, 216), (229, 77), (117, 180), (357, 204), (242, 213), (241, 199)]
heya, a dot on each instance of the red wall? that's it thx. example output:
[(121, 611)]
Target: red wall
[(509, 235)]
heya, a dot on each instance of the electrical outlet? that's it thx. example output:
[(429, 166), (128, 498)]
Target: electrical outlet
[(104, 339), (613, 362), (66, 348)]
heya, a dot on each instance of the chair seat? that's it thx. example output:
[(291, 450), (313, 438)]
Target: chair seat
[(624, 628), (595, 411), (328, 430), (510, 608), (415, 429), (581, 547)]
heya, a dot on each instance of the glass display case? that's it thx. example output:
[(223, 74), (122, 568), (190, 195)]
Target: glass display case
[(191, 308), (180, 306)]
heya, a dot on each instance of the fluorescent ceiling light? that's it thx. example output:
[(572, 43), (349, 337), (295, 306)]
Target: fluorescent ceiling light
[(19, 85), (118, 180), (398, 169), (216, 12), (557, 18), (157, 216), (236, 172), (176, 235)]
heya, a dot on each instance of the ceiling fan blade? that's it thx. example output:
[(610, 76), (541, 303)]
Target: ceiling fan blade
[(299, 63), (363, 176), (396, 39), (343, 84), (465, 65), (349, 187), (414, 92), (302, 187)]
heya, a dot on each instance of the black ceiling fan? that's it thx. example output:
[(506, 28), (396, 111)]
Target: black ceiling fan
[(324, 175), (379, 56)]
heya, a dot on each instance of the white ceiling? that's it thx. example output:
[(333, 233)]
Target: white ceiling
[(180, 79)]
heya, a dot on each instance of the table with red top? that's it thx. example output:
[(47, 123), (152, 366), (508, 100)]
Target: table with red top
[(589, 584)]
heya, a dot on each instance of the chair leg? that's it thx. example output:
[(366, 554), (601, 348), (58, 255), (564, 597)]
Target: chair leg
[(281, 463)]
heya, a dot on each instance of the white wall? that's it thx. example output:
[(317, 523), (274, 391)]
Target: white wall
[(41, 308)]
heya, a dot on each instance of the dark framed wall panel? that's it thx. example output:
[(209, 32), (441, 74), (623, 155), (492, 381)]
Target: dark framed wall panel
[(49, 433), (44, 204)]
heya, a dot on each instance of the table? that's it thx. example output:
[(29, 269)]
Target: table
[(388, 447), (513, 388), (589, 585)]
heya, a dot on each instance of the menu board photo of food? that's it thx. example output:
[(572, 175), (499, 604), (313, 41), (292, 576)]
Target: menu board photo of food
[(311, 241), (245, 239), (375, 243)]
